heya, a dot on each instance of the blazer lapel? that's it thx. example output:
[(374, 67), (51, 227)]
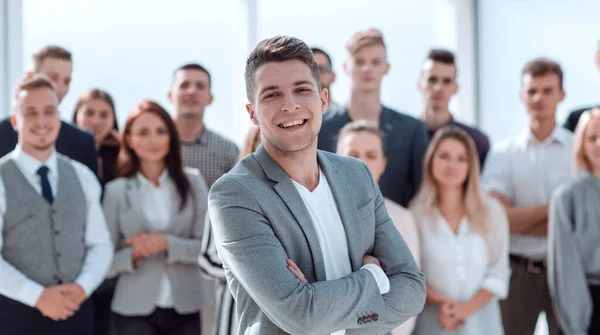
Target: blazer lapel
[(287, 191), (347, 209), (133, 201)]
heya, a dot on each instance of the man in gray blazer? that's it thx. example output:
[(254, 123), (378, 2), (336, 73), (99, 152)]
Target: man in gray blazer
[(290, 204)]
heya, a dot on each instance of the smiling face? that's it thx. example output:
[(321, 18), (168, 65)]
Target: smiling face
[(36, 119), (287, 105), (97, 116)]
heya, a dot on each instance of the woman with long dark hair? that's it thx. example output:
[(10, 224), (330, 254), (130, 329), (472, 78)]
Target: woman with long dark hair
[(95, 112), (155, 212)]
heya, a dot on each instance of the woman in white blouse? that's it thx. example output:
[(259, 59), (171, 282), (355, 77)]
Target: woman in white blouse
[(363, 140), (155, 213), (464, 242)]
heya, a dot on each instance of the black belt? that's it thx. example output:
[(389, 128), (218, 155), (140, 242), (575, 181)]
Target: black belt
[(535, 267)]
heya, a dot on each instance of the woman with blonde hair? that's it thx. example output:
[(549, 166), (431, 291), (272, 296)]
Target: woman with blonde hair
[(574, 231), (464, 241)]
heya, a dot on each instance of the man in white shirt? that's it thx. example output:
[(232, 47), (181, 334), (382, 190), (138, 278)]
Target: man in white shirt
[(522, 172), (56, 249), (307, 244)]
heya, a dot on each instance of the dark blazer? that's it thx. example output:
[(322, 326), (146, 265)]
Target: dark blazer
[(573, 118), (72, 142), (405, 141)]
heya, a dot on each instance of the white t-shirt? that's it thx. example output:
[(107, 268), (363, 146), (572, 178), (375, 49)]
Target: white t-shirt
[(328, 224)]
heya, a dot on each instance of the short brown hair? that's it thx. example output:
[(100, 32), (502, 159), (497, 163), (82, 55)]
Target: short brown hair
[(362, 126), (364, 38), (34, 82), (541, 67), (442, 56), (50, 51), (279, 49)]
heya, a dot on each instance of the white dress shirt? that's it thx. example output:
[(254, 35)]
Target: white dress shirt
[(332, 236), (526, 171), (99, 250), (158, 206), (458, 265)]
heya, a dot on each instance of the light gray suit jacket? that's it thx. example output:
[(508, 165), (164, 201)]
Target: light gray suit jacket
[(259, 221), (137, 286)]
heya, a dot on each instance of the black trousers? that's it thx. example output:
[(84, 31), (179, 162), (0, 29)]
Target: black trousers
[(160, 322), (19, 319), (102, 298), (595, 325)]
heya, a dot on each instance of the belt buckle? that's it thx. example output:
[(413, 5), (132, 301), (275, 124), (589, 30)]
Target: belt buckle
[(533, 269)]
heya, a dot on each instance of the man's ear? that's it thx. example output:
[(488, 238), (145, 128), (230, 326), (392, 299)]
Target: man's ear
[(252, 114)]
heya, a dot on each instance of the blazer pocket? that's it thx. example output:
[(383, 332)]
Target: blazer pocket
[(365, 210)]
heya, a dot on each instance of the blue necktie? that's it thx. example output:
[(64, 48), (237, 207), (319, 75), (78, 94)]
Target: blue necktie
[(46, 189)]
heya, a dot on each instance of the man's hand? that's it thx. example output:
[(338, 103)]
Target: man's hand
[(54, 305), (368, 259), (295, 270), (74, 292)]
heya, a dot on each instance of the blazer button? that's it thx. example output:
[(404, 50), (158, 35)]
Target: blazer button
[(58, 254), (56, 232)]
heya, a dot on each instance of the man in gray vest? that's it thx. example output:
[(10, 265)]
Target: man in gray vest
[(55, 247)]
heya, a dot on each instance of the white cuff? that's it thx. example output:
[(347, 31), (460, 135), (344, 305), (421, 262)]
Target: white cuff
[(380, 277), (30, 293)]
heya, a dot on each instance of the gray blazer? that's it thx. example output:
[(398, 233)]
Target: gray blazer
[(259, 220), (137, 286)]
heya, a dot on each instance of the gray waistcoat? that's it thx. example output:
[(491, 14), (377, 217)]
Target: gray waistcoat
[(45, 242)]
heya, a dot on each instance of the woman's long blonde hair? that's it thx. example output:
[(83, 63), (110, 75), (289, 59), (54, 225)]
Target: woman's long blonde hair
[(426, 201), (581, 160)]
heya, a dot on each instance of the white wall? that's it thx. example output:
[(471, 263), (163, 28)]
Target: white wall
[(130, 48), (512, 32), (410, 28)]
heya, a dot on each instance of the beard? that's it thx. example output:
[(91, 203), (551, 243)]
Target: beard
[(291, 149)]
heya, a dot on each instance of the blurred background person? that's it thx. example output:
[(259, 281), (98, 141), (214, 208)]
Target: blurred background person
[(363, 140), (155, 214), (438, 85), (325, 64), (464, 241), (573, 117), (95, 112), (574, 232), (251, 142)]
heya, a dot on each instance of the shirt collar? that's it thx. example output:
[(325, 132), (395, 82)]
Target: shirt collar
[(162, 179), (558, 135), (202, 139), (30, 165)]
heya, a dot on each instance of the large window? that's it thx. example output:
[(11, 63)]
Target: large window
[(131, 47), (514, 32), (410, 29)]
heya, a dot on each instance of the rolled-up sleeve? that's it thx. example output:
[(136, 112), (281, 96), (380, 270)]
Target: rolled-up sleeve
[(496, 173), (566, 274), (498, 274)]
